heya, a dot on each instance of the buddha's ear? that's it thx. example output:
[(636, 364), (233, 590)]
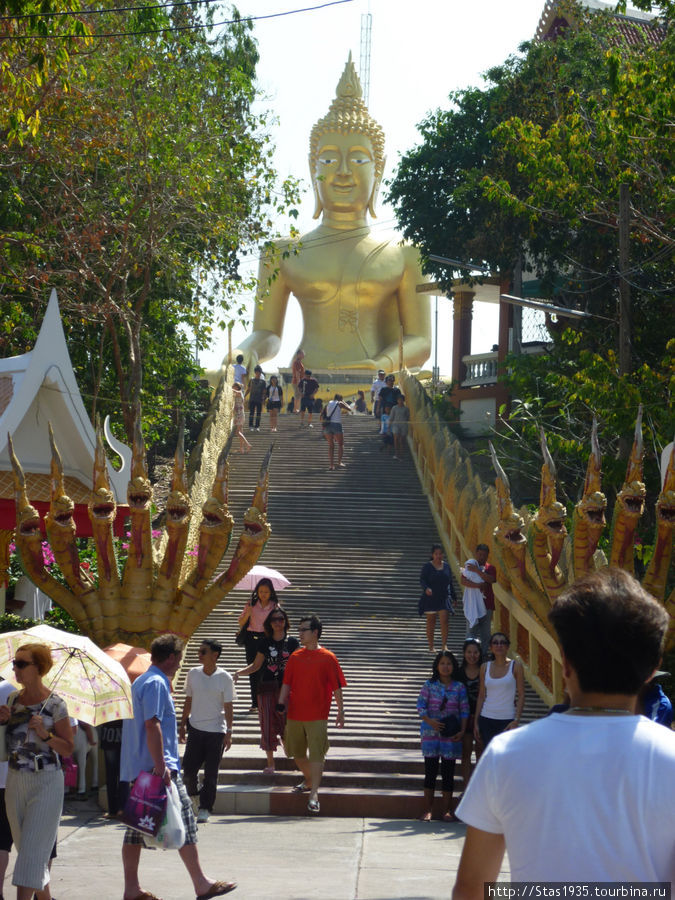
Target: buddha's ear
[(318, 205), (376, 191)]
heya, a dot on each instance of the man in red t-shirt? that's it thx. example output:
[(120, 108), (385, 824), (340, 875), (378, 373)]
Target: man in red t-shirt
[(483, 626), (311, 679)]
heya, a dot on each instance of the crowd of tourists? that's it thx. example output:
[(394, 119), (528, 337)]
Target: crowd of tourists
[(387, 405), (519, 796)]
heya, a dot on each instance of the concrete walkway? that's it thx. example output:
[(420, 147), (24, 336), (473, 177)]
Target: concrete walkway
[(294, 858)]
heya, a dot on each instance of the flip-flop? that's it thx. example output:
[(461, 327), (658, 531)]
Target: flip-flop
[(450, 817), (300, 788), (217, 889), (146, 895), (313, 806)]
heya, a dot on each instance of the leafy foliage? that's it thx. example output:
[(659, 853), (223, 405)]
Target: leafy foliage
[(147, 180), (529, 169)]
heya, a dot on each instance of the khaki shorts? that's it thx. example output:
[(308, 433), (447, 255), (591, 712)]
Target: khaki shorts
[(301, 736)]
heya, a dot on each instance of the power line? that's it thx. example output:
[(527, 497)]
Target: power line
[(99, 12), (194, 27)]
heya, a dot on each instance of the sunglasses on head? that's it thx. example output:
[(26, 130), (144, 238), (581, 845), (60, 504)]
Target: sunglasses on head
[(21, 663)]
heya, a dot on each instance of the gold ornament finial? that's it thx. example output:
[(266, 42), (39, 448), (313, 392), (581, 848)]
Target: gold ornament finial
[(349, 84)]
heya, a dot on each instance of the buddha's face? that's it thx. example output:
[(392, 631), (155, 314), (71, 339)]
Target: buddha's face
[(344, 172)]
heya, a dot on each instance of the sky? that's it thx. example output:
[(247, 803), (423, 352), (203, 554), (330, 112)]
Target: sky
[(420, 52)]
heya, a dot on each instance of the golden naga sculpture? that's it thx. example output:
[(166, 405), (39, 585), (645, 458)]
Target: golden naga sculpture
[(356, 291), (656, 575), (588, 521), (534, 556), (140, 604), (629, 506), (547, 533), (512, 550)]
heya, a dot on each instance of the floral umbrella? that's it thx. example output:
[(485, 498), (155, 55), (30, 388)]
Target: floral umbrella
[(95, 687)]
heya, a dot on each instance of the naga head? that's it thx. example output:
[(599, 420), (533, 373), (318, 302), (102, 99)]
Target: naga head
[(102, 506), (631, 498), (509, 531), (178, 507), (256, 527), (139, 490), (591, 508), (215, 513), (550, 517), (665, 505), (61, 507), (27, 517)]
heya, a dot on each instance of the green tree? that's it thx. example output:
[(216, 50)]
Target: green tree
[(529, 169), (150, 177)]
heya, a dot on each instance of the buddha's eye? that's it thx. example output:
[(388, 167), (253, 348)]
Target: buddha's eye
[(360, 160), (327, 159)]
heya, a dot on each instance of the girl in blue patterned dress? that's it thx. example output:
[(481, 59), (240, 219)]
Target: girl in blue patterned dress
[(441, 696)]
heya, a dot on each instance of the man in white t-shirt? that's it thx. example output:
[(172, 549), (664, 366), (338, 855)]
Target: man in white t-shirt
[(207, 713), (585, 795)]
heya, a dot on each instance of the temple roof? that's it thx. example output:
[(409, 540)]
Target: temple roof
[(634, 27), (39, 387)]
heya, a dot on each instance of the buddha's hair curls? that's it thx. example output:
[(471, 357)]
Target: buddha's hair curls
[(348, 114)]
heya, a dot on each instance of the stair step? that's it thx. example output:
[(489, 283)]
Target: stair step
[(352, 543)]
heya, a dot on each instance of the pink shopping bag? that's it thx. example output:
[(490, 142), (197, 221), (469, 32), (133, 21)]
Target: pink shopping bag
[(145, 809), (69, 767)]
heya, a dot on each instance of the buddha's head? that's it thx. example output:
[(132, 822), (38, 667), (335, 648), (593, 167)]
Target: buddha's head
[(346, 152)]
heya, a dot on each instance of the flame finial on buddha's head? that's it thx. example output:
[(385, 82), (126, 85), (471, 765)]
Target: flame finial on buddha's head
[(348, 114)]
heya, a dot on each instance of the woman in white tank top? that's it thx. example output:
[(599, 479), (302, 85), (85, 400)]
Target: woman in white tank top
[(501, 680)]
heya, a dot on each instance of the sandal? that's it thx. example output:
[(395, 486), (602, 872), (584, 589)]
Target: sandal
[(313, 806), (300, 788), (217, 889), (449, 817), (146, 895)]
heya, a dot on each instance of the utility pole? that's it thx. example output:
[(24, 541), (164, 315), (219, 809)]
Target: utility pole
[(624, 286)]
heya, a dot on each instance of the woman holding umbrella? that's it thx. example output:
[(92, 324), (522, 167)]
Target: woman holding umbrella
[(253, 617), (38, 734), (270, 662)]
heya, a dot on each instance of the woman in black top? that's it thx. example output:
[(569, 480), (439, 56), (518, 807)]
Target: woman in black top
[(438, 595), (271, 658), (469, 675)]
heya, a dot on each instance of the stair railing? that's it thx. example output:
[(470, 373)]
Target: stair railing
[(465, 512)]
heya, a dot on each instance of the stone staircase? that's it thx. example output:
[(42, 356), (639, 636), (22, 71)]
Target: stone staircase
[(352, 543)]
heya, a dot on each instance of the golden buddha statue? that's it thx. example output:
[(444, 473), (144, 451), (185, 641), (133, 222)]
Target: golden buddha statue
[(356, 291)]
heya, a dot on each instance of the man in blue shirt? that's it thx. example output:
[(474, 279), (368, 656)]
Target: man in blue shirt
[(150, 743)]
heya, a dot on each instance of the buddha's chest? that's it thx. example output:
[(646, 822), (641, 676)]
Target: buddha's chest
[(330, 268)]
